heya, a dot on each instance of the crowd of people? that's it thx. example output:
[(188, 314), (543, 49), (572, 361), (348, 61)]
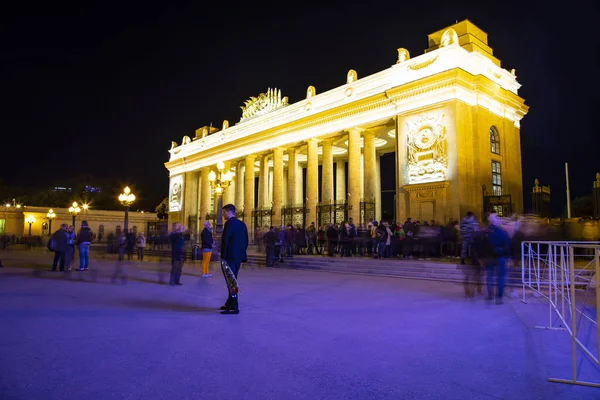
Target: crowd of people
[(486, 246), (480, 247)]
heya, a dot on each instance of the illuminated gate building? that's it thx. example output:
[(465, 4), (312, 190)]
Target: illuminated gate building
[(451, 116)]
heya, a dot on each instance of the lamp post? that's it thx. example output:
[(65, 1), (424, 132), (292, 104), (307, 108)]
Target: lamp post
[(30, 220), (51, 215), (126, 198), (74, 210), (219, 182)]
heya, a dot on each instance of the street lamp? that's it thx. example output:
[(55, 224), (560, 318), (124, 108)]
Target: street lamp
[(126, 198), (51, 215), (74, 210), (220, 181), (30, 220)]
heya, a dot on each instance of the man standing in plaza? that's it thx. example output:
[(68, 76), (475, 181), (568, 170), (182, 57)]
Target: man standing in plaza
[(177, 249), (234, 244), (84, 238), (59, 241)]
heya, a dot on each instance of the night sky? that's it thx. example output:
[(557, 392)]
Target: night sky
[(104, 89)]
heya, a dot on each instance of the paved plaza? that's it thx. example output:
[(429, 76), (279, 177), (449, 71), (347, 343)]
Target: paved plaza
[(300, 335)]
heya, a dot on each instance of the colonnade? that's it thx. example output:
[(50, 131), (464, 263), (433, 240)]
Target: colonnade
[(282, 185)]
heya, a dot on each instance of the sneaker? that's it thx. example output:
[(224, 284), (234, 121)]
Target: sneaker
[(208, 275), (80, 269), (85, 269), (205, 275)]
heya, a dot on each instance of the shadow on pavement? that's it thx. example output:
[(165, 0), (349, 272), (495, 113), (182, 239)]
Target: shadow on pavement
[(166, 305)]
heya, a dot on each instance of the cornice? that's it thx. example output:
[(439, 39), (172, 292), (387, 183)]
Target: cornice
[(450, 84), (426, 186)]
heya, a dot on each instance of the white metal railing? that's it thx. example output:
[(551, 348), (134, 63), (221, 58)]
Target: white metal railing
[(565, 273)]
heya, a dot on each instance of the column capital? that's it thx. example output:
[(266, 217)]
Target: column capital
[(313, 140), (250, 156), (368, 132), (355, 129)]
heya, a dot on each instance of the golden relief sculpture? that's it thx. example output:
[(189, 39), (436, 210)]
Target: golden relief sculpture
[(310, 92), (403, 55), (449, 37), (263, 104), (424, 64), (426, 150), (352, 76)]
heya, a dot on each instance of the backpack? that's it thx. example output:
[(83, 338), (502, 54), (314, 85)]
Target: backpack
[(51, 245), (381, 235)]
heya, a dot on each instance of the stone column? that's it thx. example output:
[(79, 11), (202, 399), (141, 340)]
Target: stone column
[(327, 173), (340, 181), (312, 181), (229, 193), (378, 189), (354, 175), (291, 181), (300, 195), (361, 165), (370, 167), (285, 186), (263, 183), (204, 195), (239, 186), (277, 186), (271, 183), (401, 160), (249, 191)]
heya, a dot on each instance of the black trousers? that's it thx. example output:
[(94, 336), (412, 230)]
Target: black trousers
[(59, 255), (270, 254), (232, 300), (176, 269)]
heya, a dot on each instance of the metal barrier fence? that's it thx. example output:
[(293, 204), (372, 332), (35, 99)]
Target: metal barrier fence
[(565, 273)]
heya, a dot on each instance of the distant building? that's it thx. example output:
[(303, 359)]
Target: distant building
[(13, 221)]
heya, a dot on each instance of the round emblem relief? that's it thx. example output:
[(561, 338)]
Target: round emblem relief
[(424, 138)]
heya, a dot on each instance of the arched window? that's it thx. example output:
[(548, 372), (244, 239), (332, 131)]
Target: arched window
[(134, 229), (494, 140), (118, 230)]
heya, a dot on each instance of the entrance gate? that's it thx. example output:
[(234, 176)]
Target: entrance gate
[(294, 214)]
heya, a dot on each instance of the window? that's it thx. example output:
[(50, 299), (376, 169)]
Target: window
[(496, 178), (134, 230), (494, 140)]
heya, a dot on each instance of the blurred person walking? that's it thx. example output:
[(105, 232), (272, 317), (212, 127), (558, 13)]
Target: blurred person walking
[(177, 254), (494, 244)]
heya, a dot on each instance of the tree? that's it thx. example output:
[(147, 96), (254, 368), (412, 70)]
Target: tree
[(162, 210)]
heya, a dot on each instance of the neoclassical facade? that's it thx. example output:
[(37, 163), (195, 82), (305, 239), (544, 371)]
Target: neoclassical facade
[(451, 116)]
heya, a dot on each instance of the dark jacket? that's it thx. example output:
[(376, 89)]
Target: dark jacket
[(60, 240), (177, 244), (234, 242), (84, 235), (207, 239), (271, 238)]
